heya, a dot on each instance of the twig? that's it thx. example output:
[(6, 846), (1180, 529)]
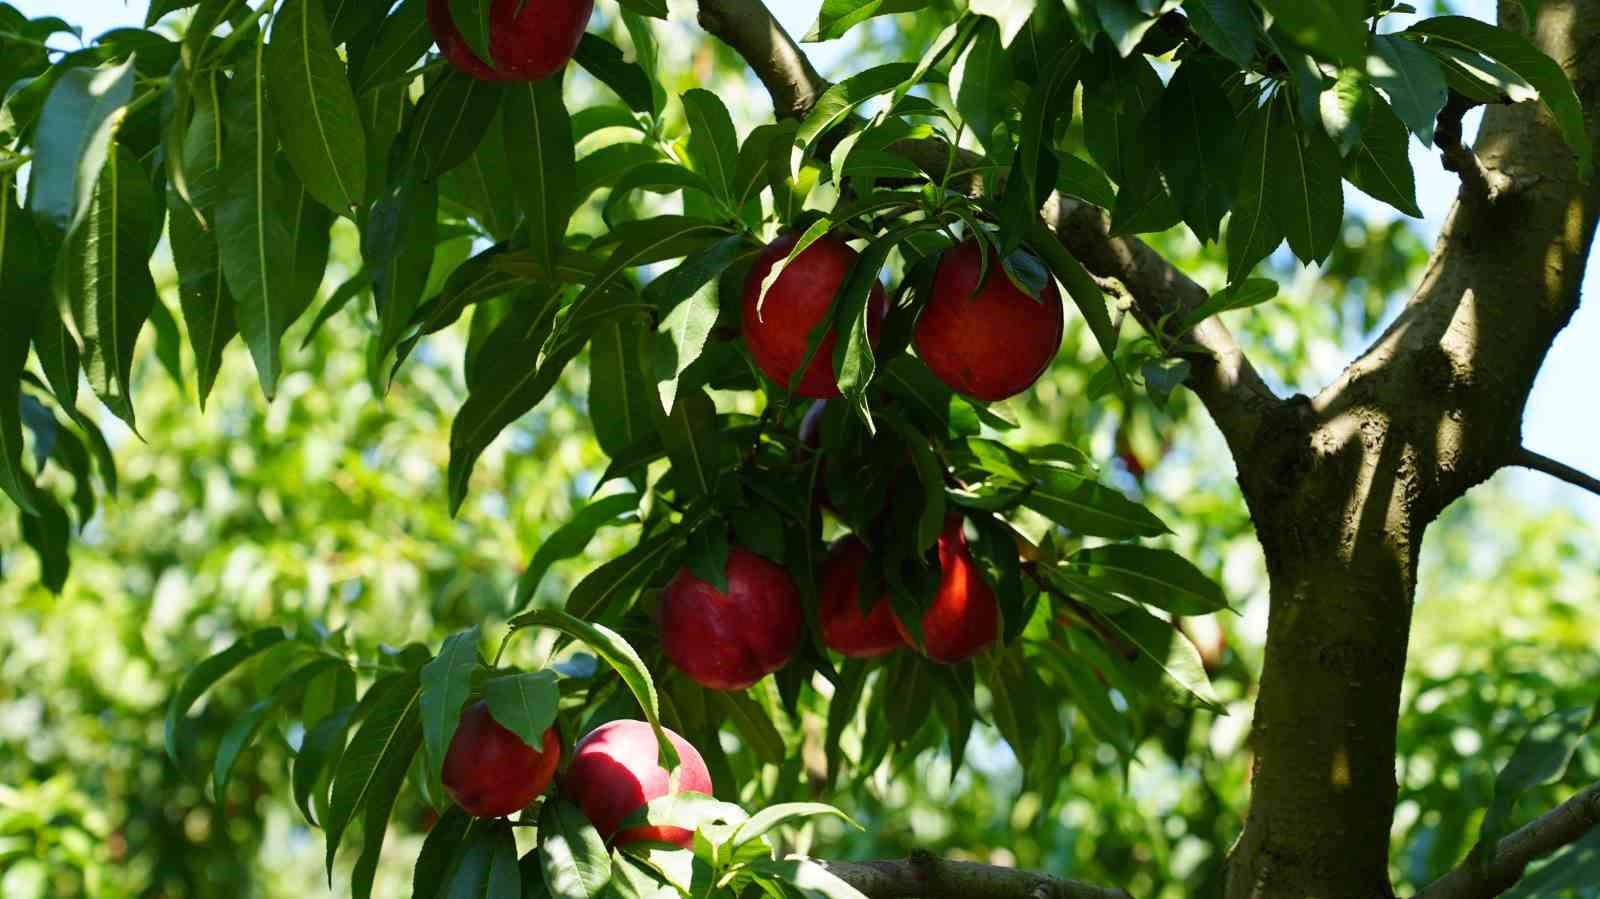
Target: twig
[(1563, 825), (923, 876), (1527, 458)]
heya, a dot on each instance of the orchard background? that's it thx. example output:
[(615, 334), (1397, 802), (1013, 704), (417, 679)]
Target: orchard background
[(508, 374)]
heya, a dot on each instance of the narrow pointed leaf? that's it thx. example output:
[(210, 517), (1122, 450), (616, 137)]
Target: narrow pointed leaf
[(326, 146)]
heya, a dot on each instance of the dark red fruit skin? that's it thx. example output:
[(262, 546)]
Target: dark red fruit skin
[(964, 618), (730, 641), (527, 45), (616, 769), (991, 345), (844, 628), (490, 772), (801, 296)]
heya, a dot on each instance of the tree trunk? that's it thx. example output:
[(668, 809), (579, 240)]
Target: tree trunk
[(1340, 544), (1342, 486)]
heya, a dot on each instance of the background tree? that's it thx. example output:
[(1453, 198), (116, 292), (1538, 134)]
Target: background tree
[(282, 145)]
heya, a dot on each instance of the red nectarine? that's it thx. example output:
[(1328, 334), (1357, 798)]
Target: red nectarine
[(991, 344), (490, 772), (728, 641), (529, 39), (778, 333), (845, 628), (964, 618), (616, 770)]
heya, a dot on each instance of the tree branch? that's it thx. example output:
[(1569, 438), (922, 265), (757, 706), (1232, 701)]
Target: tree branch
[(1560, 827), (1456, 156), (923, 876), (750, 29), (1222, 377), (1527, 458)]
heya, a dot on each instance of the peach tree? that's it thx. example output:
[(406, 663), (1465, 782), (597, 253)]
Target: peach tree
[(809, 330)]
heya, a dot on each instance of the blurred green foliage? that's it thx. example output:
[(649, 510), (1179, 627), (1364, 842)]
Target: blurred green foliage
[(326, 508)]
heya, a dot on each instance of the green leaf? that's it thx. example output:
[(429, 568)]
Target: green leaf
[(1307, 194), (1336, 30), (1177, 658), (1156, 577), (48, 533), (808, 878), (1011, 15), (1049, 100), (1086, 507), (930, 474), (442, 852), (836, 17), (1253, 229), (656, 9), (1344, 109), (446, 683), (471, 18), (375, 763), (1513, 51), (621, 577), (73, 140), (1480, 79), (690, 811), (574, 857), (693, 442), (19, 275), (774, 815), (620, 391), (572, 538), (1078, 178), (202, 676), (840, 100), (713, 144), (1200, 147), (1412, 80), (451, 121), (1125, 23), (397, 247), (477, 186), (524, 704), (103, 273), (608, 645), (203, 295), (1227, 26), (505, 385), (1541, 757), (234, 742), (1381, 166), (401, 40), (683, 338), (1238, 295), (326, 146), (538, 140), (601, 58), (980, 83), (319, 753), (255, 240), (853, 357), (1085, 294), (756, 730)]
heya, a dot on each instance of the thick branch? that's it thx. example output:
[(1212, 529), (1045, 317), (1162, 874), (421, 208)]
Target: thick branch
[(1223, 378), (1527, 458), (749, 28), (926, 877), (1560, 827)]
